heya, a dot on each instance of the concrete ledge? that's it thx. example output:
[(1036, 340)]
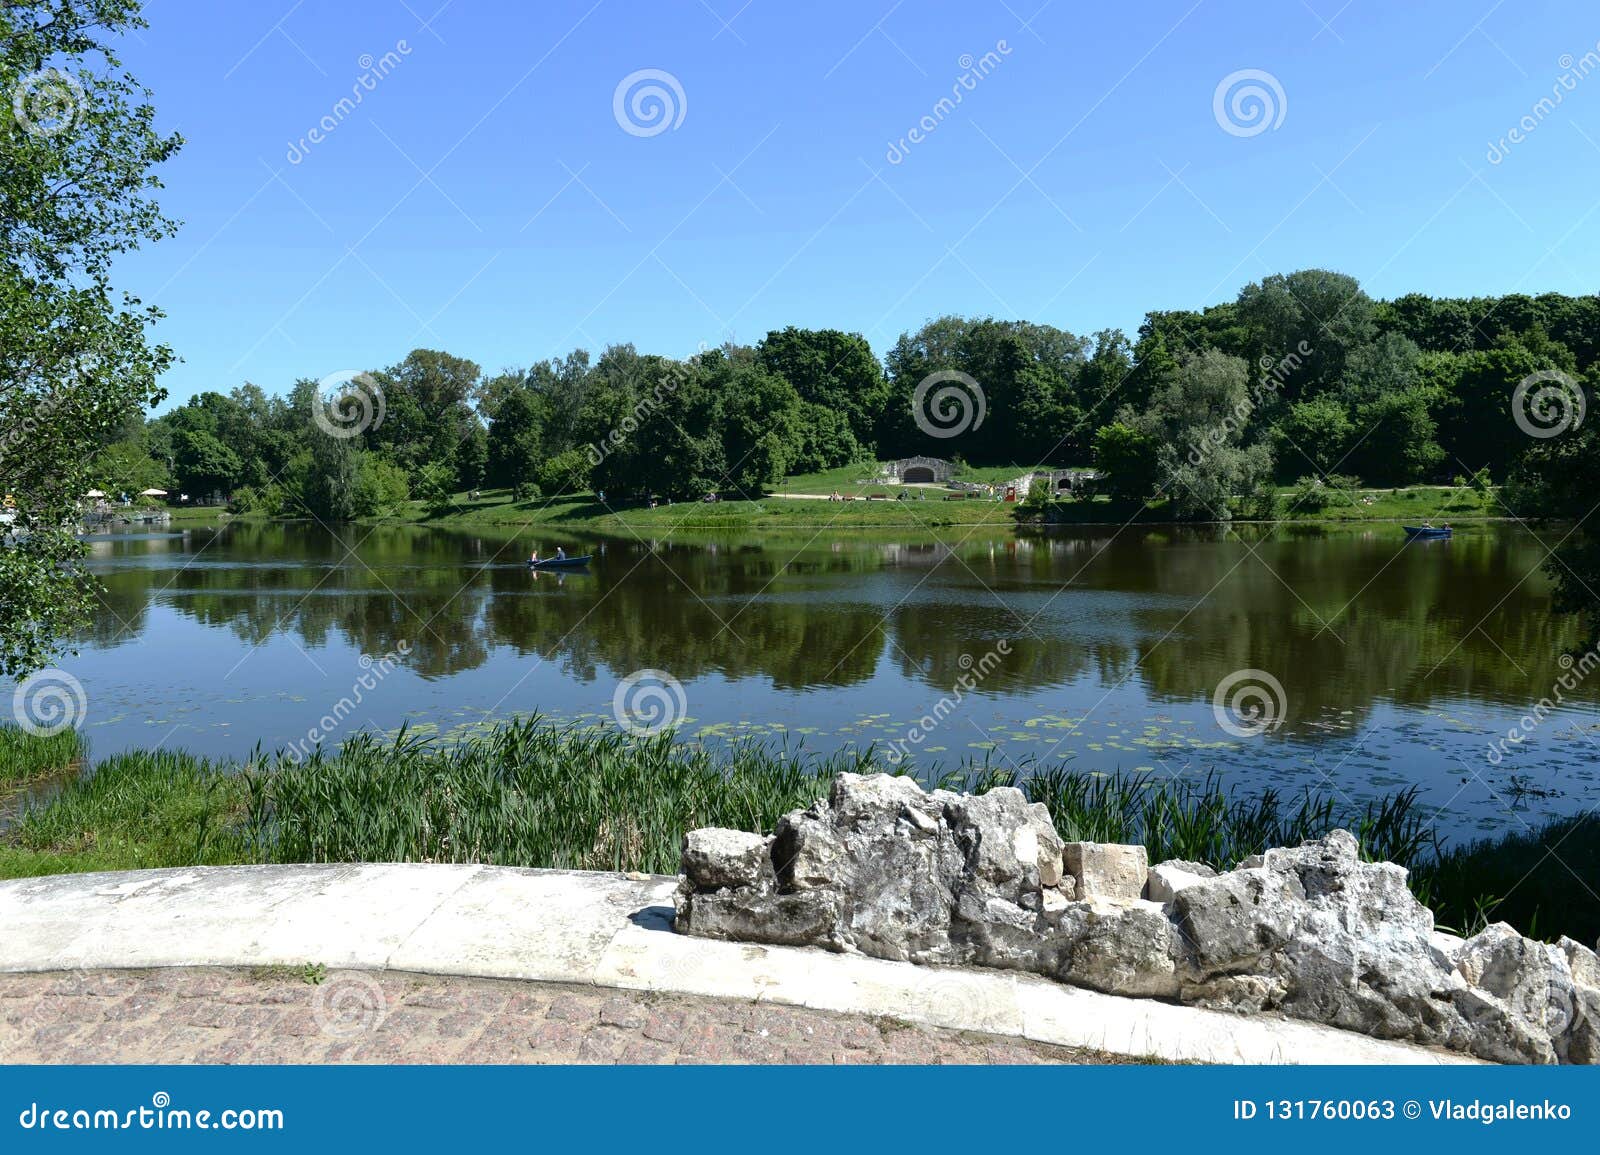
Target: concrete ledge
[(607, 930)]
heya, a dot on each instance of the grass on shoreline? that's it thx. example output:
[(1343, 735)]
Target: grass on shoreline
[(26, 757), (498, 507), (533, 794)]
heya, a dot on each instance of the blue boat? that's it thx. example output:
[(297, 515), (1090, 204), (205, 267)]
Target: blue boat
[(561, 562), (1427, 531)]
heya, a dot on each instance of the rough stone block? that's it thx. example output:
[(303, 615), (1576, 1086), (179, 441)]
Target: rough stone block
[(714, 858), (1106, 869), (1584, 962), (1167, 878)]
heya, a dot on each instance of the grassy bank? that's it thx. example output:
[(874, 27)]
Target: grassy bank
[(26, 757), (931, 510), (798, 503), (532, 794), (499, 508)]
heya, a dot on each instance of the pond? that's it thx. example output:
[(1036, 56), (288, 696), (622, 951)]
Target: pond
[(1380, 665)]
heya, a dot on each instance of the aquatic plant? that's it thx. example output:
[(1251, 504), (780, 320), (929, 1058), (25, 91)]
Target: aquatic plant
[(25, 756), (529, 793)]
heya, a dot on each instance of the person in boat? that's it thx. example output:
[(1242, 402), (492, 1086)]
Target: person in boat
[(561, 554), (533, 558)]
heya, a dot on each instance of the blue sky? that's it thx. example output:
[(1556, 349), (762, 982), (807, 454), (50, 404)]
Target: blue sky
[(484, 198)]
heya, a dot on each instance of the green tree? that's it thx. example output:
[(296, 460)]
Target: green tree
[(564, 475), (516, 438), (77, 167), (759, 421), (434, 487), (1317, 316), (1313, 434), (1199, 419), (204, 463), (324, 479), (835, 370), (381, 487), (1396, 439), (427, 408), (1127, 459)]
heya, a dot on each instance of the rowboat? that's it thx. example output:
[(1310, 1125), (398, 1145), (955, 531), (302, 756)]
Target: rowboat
[(1420, 531), (560, 562)]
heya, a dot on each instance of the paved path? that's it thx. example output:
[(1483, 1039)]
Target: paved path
[(589, 930), (276, 1015)]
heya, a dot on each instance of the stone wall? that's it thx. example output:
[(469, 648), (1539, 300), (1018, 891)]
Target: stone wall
[(886, 869)]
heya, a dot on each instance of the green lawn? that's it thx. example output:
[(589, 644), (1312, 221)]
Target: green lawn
[(497, 507), (926, 507), (867, 478), (1411, 504)]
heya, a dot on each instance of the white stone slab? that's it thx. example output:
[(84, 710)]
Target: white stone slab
[(607, 929)]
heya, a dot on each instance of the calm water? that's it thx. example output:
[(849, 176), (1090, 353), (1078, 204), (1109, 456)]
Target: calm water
[(1399, 664)]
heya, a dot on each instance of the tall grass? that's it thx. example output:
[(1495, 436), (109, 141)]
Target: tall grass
[(133, 810), (1203, 821), (533, 794), (1543, 881), (25, 756), (526, 794)]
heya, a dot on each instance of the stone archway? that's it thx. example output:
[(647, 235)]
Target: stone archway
[(916, 473)]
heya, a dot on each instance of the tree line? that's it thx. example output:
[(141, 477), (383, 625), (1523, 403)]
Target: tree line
[(1303, 376)]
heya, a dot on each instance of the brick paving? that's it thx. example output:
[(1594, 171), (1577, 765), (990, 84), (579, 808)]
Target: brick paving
[(283, 1015)]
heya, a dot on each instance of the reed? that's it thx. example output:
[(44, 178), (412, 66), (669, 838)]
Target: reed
[(530, 793), (25, 757), (132, 811)]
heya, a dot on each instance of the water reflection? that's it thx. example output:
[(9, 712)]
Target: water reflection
[(1342, 619)]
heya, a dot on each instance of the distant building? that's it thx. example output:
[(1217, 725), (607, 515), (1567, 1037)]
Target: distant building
[(915, 470), (1062, 482)]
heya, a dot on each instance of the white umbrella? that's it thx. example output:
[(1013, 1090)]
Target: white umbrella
[(152, 493), (95, 493)]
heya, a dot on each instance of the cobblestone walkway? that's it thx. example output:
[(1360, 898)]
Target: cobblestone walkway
[(290, 1016)]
